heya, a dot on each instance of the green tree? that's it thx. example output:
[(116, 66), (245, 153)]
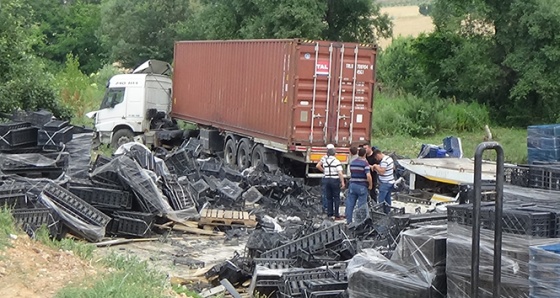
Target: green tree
[(134, 31), (69, 27), (25, 82), (340, 20)]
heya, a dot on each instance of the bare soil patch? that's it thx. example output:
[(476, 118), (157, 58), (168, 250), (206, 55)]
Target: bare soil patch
[(30, 269)]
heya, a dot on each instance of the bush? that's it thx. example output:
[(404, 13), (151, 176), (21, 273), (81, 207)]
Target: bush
[(410, 115)]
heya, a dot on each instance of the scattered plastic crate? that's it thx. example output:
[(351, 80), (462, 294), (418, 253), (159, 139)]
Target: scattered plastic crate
[(232, 174), (179, 196), (463, 214), (40, 118), (193, 147), (326, 236), (132, 224), (230, 190), (77, 182), (211, 167), (180, 162), (54, 138), (327, 284), (104, 198), (292, 284), (76, 208), (13, 196), (30, 220), (252, 195)]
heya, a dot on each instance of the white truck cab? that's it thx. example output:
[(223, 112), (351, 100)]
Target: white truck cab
[(131, 101)]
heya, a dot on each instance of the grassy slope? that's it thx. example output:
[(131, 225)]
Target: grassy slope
[(512, 140)]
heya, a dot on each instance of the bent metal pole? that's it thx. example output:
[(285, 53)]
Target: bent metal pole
[(475, 261)]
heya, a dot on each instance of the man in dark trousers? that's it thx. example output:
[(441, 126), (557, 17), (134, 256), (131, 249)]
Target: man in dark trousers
[(360, 182), (372, 160), (333, 181)]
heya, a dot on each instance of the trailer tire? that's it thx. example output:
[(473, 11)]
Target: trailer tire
[(244, 154), (121, 136), (230, 155), (258, 155)]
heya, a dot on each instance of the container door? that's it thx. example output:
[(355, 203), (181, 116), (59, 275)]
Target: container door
[(313, 98), (353, 92)]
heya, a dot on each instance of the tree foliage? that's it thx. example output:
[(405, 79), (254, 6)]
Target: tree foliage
[(134, 31), (26, 84), (478, 54), (340, 20)]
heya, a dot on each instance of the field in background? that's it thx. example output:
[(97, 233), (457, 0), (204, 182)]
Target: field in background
[(407, 21)]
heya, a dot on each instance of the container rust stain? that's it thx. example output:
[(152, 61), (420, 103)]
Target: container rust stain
[(290, 92)]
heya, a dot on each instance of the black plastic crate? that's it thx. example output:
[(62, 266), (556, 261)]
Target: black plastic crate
[(327, 236), (517, 175), (55, 125), (7, 127), (252, 195), (327, 284), (100, 160), (62, 136), (211, 167), (30, 220), (180, 162), (74, 205), (15, 200), (77, 182), (40, 118), (230, 190), (232, 174), (25, 136), (126, 225), (324, 294), (104, 198), (463, 214), (530, 223), (179, 196)]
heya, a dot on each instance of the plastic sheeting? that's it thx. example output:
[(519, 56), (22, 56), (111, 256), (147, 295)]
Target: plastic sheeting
[(80, 155), (544, 271), (416, 269), (515, 262)]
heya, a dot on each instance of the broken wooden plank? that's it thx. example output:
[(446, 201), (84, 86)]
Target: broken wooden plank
[(181, 228), (125, 241)]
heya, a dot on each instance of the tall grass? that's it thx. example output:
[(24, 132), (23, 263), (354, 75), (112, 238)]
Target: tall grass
[(130, 278), (405, 114), (79, 92), (7, 226)]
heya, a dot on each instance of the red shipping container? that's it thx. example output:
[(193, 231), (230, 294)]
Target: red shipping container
[(287, 94)]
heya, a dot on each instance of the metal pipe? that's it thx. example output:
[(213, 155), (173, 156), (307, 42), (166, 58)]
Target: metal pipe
[(475, 261)]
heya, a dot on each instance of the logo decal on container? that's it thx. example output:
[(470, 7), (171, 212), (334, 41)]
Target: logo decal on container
[(322, 67)]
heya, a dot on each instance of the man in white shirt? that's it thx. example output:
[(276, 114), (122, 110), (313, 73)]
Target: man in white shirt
[(386, 179), (333, 181)]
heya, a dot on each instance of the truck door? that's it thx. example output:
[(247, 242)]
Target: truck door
[(351, 104), (112, 109)]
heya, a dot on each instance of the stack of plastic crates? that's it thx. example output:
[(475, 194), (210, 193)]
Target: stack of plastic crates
[(543, 143)]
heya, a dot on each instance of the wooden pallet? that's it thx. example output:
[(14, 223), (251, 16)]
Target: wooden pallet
[(215, 217)]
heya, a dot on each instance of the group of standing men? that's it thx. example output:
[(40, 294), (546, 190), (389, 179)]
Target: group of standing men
[(366, 166)]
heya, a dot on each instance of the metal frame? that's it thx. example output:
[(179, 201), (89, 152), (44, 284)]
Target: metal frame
[(500, 177)]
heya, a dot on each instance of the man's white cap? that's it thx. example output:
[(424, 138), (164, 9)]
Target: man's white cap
[(330, 146)]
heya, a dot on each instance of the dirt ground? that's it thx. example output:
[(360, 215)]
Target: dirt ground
[(30, 269), (407, 21)]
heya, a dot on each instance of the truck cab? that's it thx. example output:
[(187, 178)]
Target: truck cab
[(131, 101)]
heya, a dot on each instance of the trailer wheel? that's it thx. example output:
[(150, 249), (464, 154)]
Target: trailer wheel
[(244, 154), (229, 152), (258, 155), (122, 136)]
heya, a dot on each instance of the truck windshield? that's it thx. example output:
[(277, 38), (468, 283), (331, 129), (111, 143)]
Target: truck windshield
[(113, 96)]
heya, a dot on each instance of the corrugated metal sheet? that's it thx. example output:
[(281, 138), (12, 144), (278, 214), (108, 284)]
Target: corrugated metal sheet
[(286, 91)]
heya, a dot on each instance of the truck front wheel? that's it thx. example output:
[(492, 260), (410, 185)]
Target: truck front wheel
[(121, 136)]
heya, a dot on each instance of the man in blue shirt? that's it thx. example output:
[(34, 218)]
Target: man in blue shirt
[(360, 183)]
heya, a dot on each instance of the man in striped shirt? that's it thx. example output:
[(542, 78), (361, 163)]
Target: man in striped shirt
[(333, 181), (386, 179), (360, 182)]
